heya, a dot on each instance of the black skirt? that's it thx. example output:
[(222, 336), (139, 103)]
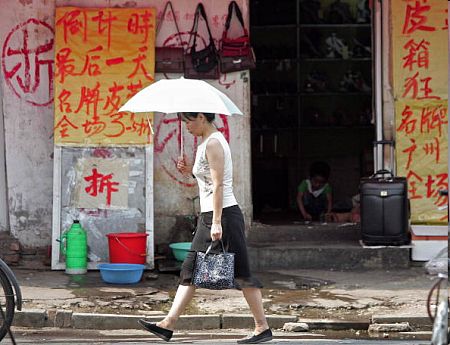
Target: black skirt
[(233, 238)]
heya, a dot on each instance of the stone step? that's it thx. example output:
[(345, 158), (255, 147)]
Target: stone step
[(326, 255), (333, 232), (319, 246)]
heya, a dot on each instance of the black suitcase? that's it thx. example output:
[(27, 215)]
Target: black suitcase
[(384, 208)]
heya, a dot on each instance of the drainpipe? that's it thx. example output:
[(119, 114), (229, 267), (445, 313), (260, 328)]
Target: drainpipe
[(4, 208), (378, 26)]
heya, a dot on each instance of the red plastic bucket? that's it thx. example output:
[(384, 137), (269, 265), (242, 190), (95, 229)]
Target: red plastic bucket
[(127, 247)]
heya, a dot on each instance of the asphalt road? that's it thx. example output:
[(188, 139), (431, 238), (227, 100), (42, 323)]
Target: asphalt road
[(219, 342), (55, 336)]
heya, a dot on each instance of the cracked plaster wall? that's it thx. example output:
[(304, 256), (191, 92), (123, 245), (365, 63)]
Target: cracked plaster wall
[(28, 122)]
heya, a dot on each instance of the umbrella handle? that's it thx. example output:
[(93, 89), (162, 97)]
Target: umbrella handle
[(181, 139)]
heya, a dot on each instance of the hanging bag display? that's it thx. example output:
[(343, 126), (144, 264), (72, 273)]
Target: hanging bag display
[(236, 54), (201, 64), (169, 59), (214, 271)]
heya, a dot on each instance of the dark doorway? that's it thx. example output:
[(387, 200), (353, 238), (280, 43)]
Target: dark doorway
[(312, 100)]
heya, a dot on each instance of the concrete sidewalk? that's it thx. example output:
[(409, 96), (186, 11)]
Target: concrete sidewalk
[(322, 299)]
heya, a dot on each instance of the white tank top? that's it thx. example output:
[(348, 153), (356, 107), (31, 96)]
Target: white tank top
[(203, 175)]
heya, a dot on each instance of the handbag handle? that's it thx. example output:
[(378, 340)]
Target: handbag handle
[(210, 246), (235, 6), (169, 4), (199, 11)]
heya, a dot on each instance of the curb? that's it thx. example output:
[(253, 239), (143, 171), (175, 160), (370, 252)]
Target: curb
[(39, 318), (414, 320)]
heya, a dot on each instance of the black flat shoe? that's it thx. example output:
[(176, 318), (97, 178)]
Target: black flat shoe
[(256, 339), (163, 333)]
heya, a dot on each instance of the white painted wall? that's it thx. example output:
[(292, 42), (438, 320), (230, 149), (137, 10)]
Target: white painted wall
[(29, 127)]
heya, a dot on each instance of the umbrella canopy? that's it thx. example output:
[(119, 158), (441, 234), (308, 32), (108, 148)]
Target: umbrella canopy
[(181, 95)]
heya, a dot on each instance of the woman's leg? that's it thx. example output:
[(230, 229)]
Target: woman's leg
[(254, 300), (182, 298)]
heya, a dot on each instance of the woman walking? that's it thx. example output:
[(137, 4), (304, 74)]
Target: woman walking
[(220, 219)]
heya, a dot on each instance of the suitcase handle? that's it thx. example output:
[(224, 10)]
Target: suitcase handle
[(383, 172), (384, 142)]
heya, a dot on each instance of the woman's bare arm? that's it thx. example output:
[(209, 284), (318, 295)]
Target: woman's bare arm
[(216, 160)]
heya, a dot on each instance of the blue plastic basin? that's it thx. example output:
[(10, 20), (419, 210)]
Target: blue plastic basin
[(180, 250), (121, 273)]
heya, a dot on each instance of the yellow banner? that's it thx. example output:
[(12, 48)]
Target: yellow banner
[(103, 56), (420, 28)]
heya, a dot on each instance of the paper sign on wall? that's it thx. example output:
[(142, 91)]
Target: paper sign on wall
[(103, 183), (103, 56), (421, 104)]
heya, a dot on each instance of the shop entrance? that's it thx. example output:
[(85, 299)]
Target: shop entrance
[(312, 100)]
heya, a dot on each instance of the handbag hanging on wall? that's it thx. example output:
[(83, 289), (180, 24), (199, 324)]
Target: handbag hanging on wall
[(169, 59), (201, 64), (214, 271), (235, 54)]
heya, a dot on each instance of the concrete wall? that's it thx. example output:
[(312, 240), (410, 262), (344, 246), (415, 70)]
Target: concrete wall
[(4, 218), (28, 118)]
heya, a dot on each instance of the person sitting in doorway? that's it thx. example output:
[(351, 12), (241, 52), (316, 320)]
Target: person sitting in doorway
[(314, 197)]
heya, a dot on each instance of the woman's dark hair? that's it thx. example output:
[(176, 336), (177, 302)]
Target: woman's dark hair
[(319, 169), (209, 116)]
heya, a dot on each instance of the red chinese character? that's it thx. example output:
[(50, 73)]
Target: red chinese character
[(90, 66), (64, 107), (410, 150), (415, 18), (417, 54), (27, 55), (74, 22), (432, 118), (90, 97), (113, 100), (105, 23), (63, 125), (140, 24), (114, 61), (412, 84), (140, 66), (408, 124), (433, 148), (64, 64), (30, 53), (412, 191), (116, 120), (94, 127), (441, 184), (99, 183), (215, 21), (142, 127), (134, 88)]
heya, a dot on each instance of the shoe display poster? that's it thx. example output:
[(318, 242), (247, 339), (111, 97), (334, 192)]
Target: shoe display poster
[(420, 75), (103, 56)]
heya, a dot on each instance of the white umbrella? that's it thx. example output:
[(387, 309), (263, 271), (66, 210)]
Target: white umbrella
[(181, 95)]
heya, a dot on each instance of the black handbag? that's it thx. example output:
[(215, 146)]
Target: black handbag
[(169, 59), (214, 271), (201, 64), (235, 54)]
